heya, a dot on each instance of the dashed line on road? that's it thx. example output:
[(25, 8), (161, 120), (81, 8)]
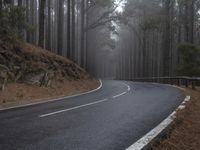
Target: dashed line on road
[(129, 88), (119, 95), (73, 108), (85, 105)]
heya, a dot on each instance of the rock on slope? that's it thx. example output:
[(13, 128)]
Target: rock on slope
[(26, 63)]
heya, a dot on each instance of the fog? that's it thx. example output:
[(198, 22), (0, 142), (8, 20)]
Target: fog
[(116, 39)]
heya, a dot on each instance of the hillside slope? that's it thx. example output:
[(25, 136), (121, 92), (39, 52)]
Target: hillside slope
[(28, 72)]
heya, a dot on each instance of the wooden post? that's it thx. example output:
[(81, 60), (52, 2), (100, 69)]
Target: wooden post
[(193, 85), (172, 82), (178, 82), (186, 83)]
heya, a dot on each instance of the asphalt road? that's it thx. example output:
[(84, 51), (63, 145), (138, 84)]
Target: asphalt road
[(112, 118)]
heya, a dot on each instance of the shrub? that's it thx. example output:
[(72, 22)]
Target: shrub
[(190, 60), (12, 23)]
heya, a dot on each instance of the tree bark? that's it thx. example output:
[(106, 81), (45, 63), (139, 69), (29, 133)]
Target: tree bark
[(41, 22), (83, 33), (167, 40), (48, 43), (69, 28), (20, 3), (60, 26), (1, 5), (191, 21), (28, 33), (73, 29), (86, 38)]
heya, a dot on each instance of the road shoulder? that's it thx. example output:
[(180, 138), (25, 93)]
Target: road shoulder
[(184, 133), (19, 95)]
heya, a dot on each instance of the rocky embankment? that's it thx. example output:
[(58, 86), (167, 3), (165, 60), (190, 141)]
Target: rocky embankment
[(30, 74), (32, 65)]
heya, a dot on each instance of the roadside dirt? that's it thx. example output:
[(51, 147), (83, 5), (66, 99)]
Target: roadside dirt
[(25, 63), (20, 93), (31, 74), (185, 132)]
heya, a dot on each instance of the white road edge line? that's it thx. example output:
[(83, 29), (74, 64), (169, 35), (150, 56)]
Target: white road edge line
[(56, 99), (73, 108), (145, 140)]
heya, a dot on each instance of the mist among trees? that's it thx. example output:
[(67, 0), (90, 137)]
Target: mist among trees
[(118, 39)]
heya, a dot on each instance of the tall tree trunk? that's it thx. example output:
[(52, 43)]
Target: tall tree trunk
[(186, 30), (21, 31), (9, 2), (48, 43), (28, 33), (73, 29), (87, 38), (180, 14), (60, 26), (20, 3), (33, 20), (191, 21), (1, 5), (41, 22), (12, 2), (167, 39), (83, 33), (145, 61), (69, 29)]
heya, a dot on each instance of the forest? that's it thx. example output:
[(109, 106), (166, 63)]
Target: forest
[(80, 74), (117, 39)]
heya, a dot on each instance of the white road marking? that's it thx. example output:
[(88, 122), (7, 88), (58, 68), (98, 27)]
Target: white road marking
[(119, 95), (52, 100), (85, 105), (145, 140), (73, 108), (129, 88)]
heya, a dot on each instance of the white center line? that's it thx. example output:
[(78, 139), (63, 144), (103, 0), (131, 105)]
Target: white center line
[(129, 88), (73, 108), (85, 105), (119, 95)]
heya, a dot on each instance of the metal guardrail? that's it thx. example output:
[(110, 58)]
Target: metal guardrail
[(179, 80)]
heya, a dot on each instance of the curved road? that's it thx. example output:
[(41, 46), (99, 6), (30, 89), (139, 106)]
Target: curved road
[(112, 118)]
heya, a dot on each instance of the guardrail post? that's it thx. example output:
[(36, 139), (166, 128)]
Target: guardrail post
[(193, 85), (186, 83), (171, 81), (178, 82)]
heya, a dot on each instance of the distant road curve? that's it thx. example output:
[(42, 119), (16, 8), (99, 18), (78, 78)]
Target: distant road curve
[(111, 118)]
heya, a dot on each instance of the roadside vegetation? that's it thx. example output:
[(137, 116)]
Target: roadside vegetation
[(185, 131), (118, 39), (29, 73), (190, 60)]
